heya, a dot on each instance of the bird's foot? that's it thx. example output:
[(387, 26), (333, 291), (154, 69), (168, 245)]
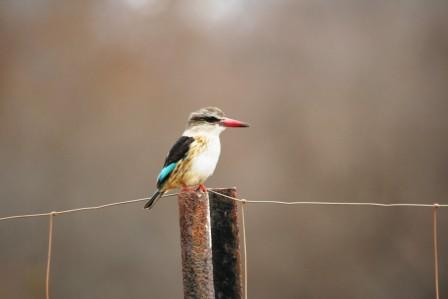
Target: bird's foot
[(202, 188)]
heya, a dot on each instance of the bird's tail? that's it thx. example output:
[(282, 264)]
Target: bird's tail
[(152, 201)]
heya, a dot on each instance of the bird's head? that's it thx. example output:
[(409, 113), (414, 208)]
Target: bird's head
[(212, 119)]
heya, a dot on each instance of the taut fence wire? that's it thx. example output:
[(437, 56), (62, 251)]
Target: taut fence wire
[(52, 214), (50, 245), (436, 253)]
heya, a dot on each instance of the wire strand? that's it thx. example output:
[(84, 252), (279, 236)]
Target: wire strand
[(326, 203), (435, 207), (436, 255), (243, 223), (329, 203), (51, 215), (81, 209), (50, 245)]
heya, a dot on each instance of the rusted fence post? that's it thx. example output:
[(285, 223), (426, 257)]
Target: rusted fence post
[(210, 245), (226, 246), (196, 243)]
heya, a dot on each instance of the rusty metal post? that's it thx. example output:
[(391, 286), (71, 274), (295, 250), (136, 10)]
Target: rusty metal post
[(226, 247), (196, 242)]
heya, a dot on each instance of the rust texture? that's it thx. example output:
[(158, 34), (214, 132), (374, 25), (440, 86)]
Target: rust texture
[(197, 267), (226, 247)]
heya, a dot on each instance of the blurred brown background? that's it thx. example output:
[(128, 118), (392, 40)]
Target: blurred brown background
[(347, 101)]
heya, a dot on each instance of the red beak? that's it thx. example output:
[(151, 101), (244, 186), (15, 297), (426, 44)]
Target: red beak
[(233, 123)]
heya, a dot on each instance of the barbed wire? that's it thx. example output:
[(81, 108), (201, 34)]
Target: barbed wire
[(330, 203), (376, 204), (434, 207), (55, 213), (51, 215), (50, 228)]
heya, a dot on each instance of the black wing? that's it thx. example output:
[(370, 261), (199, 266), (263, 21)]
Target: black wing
[(179, 150), (176, 153)]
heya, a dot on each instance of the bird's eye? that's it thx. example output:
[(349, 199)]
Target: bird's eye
[(208, 119), (211, 119)]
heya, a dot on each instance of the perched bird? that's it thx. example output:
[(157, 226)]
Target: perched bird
[(194, 156)]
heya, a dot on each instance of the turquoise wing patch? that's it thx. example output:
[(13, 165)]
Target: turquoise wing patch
[(165, 172)]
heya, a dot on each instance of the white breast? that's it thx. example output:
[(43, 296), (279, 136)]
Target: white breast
[(204, 164)]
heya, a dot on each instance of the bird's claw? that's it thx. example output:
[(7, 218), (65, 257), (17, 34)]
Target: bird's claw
[(202, 188)]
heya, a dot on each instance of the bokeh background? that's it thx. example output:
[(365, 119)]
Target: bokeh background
[(347, 101)]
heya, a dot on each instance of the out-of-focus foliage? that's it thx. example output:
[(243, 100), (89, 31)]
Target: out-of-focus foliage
[(347, 101)]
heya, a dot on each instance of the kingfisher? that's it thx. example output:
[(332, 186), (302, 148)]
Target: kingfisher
[(193, 158)]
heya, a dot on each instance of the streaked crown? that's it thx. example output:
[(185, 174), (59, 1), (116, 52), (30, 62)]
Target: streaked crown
[(204, 116)]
